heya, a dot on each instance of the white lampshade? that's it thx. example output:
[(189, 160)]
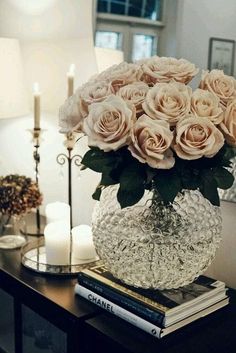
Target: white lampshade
[(108, 57), (13, 96)]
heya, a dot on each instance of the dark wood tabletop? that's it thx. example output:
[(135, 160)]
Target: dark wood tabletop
[(44, 289)]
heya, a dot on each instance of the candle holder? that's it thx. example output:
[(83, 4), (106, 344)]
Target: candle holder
[(36, 229), (33, 256), (76, 159)]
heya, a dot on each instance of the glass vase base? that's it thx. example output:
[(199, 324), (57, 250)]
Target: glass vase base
[(12, 241)]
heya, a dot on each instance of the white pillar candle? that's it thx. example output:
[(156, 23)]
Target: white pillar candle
[(83, 247), (57, 243), (57, 211), (70, 80), (37, 95)]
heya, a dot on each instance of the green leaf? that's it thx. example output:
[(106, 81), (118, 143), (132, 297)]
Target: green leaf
[(97, 159), (168, 185), (107, 179), (223, 178), (208, 187), (131, 188), (190, 179), (97, 193), (224, 156), (229, 152)]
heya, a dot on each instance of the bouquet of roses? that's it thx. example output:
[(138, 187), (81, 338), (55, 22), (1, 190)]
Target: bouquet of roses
[(147, 129)]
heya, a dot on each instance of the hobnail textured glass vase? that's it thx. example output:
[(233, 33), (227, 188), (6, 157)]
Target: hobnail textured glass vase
[(151, 245)]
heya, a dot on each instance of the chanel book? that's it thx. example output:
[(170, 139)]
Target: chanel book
[(159, 307), (149, 327)]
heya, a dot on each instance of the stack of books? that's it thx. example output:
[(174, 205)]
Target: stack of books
[(158, 312)]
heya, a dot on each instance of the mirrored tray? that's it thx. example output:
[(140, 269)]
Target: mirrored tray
[(33, 256)]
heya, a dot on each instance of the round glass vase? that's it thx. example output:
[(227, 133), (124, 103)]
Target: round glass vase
[(10, 234), (151, 245)]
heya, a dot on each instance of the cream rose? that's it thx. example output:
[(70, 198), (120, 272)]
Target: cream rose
[(108, 124), (70, 117), (157, 70), (94, 92), (222, 85), (121, 75), (151, 140), (206, 105), (197, 137), (168, 101), (134, 93), (228, 125)]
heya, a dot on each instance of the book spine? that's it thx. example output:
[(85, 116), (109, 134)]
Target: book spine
[(122, 300), (118, 311)]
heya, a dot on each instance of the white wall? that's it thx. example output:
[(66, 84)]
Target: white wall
[(198, 21), (53, 34), (168, 39)]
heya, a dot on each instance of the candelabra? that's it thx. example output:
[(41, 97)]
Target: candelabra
[(38, 226), (75, 159)]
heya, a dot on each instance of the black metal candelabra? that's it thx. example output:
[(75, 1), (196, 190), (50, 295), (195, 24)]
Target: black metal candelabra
[(75, 159), (37, 227), (37, 161)]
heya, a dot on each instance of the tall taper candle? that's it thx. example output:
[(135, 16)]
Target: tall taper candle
[(70, 80), (36, 106)]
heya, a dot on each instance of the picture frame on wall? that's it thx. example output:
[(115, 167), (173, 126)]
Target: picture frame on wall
[(221, 55)]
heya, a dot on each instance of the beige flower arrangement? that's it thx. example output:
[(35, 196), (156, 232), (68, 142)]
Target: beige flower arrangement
[(148, 129)]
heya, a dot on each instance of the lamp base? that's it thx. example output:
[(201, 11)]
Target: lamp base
[(12, 241)]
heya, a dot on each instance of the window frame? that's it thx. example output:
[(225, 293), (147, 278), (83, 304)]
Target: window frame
[(120, 23), (130, 19)]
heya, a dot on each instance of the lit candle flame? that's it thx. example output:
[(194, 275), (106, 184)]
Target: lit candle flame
[(72, 69), (36, 88)]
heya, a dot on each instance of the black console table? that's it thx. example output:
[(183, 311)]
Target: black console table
[(41, 311), (41, 314)]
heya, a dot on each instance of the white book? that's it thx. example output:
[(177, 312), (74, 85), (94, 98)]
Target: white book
[(118, 311), (135, 320)]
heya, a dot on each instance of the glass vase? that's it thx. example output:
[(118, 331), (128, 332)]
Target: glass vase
[(10, 234), (151, 245)]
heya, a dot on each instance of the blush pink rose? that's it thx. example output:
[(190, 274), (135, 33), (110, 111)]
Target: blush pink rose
[(197, 137), (70, 116), (222, 85), (228, 125), (94, 92), (108, 123), (168, 101), (121, 75), (151, 140), (207, 105), (134, 93), (162, 69)]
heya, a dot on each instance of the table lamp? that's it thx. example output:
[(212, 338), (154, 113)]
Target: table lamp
[(107, 57), (13, 96), (13, 102)]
